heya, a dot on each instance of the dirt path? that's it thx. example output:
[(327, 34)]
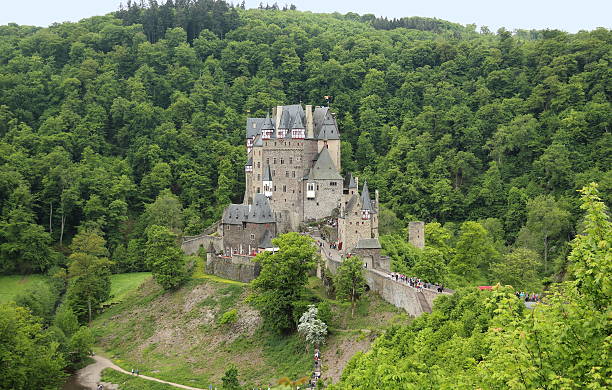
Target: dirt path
[(90, 376)]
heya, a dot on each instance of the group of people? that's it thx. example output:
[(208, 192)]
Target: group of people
[(528, 297), (316, 375), (415, 282), (135, 372)]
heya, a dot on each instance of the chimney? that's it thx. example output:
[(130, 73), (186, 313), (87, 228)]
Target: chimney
[(309, 122), (279, 114), (357, 183)]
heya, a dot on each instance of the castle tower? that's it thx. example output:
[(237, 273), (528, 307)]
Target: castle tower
[(329, 137), (366, 203), (416, 234)]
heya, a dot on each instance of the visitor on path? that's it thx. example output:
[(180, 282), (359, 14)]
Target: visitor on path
[(132, 371), (137, 372)]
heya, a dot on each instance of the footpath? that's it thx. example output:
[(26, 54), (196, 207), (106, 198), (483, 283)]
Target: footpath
[(90, 375)]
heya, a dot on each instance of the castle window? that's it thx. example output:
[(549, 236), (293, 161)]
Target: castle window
[(274, 188), (274, 160), (293, 174), (258, 190), (252, 236), (267, 160), (290, 160), (282, 160), (274, 172), (286, 173), (284, 188), (258, 164), (332, 183), (258, 177)]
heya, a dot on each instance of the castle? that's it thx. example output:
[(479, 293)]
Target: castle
[(292, 178)]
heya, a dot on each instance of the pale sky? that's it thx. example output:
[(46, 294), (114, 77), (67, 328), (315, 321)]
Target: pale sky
[(568, 15)]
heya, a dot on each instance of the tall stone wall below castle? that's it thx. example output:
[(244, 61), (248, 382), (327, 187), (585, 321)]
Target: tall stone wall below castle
[(236, 267), (415, 302)]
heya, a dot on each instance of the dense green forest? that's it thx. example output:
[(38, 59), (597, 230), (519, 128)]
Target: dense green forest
[(488, 339), (121, 121)]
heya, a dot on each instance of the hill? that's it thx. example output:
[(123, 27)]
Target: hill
[(447, 123), (178, 336)]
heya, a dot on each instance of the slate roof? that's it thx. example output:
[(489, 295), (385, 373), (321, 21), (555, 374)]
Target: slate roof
[(368, 243), (297, 123), (351, 203), (258, 141), (366, 203), (253, 126), (258, 212), (266, 240), (318, 116), (267, 176), (329, 129), (324, 168), (250, 162), (349, 181)]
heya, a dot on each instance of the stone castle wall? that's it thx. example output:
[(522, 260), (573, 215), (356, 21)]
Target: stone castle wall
[(415, 302), (192, 244), (236, 267), (327, 198)]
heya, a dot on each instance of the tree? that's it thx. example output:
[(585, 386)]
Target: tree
[(28, 360), (474, 252), (164, 257), (165, 211), (519, 269), (546, 219), (311, 327), (349, 281), (88, 274), (282, 279), (230, 379)]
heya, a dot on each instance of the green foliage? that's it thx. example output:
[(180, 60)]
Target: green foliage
[(40, 298), (349, 282), (230, 379), (89, 274), (282, 279), (229, 317), (518, 269), (164, 257), (28, 359), (474, 252), (488, 340)]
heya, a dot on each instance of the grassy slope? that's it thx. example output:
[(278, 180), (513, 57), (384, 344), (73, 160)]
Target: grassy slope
[(11, 286), (176, 336), (123, 284)]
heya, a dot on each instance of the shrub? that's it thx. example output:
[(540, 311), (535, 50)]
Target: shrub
[(229, 317)]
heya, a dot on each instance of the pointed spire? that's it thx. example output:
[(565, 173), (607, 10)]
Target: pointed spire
[(297, 122), (352, 183), (267, 176), (366, 203)]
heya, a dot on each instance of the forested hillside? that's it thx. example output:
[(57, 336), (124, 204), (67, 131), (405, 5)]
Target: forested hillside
[(137, 117)]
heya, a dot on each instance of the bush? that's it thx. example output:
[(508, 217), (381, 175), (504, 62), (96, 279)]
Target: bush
[(229, 317)]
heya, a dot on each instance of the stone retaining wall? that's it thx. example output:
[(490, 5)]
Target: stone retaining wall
[(237, 267)]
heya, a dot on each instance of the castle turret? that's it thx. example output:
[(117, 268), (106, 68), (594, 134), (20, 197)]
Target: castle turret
[(267, 181), (267, 128), (366, 203), (298, 131)]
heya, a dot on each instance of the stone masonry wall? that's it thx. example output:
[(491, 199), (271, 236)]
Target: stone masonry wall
[(236, 267), (327, 198), (191, 245), (398, 294)]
